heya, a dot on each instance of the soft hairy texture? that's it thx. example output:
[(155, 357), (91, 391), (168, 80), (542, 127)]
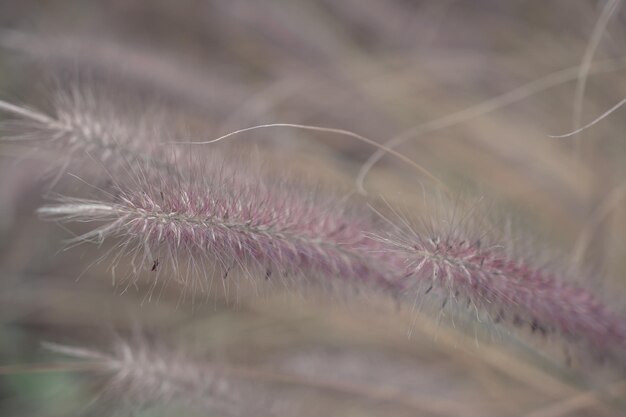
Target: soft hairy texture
[(140, 375), (87, 129), (195, 227), (190, 214), (224, 216), (493, 280)]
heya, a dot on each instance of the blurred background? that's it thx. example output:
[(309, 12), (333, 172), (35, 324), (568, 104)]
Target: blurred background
[(472, 89)]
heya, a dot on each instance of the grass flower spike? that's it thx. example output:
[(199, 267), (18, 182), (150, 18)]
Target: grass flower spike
[(226, 217), (493, 280)]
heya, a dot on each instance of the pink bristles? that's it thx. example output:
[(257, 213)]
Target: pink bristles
[(508, 287), (223, 218)]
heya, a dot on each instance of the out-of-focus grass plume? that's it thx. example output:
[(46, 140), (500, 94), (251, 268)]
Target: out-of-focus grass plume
[(470, 91)]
